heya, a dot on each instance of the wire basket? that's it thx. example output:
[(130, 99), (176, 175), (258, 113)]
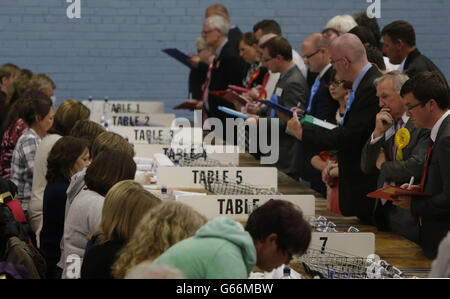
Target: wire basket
[(332, 264), (322, 224), (220, 186)]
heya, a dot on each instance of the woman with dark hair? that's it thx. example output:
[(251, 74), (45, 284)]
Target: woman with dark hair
[(85, 211), (68, 156), (87, 129), (38, 114), (15, 127), (256, 72), (65, 117)]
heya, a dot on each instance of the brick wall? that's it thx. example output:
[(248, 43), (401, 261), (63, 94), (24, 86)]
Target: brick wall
[(115, 48)]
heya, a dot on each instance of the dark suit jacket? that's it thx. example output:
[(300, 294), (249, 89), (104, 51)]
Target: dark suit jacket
[(416, 63), (349, 140), (389, 217), (294, 89), (228, 69), (435, 211), (197, 76), (323, 105)]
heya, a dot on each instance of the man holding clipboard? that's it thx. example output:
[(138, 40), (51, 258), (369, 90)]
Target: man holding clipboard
[(427, 100), (395, 151), (349, 59)]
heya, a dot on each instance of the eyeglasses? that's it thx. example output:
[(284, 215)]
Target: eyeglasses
[(311, 55), (334, 61), (207, 32), (265, 60), (408, 108), (336, 83)]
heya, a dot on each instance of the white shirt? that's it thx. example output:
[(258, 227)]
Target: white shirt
[(389, 132), (298, 60), (402, 65), (437, 126)]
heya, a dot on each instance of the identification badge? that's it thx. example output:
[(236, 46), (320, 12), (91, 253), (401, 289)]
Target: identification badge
[(279, 91)]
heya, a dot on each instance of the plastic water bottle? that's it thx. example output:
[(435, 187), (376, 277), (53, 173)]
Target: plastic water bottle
[(164, 195), (286, 273)]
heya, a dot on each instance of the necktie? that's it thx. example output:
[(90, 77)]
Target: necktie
[(351, 98), (206, 84), (314, 90), (425, 170), (398, 126)]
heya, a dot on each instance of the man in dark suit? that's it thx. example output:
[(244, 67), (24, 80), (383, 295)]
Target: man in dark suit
[(349, 59), (426, 99), (399, 45), (199, 67), (321, 105), (291, 89), (393, 164), (234, 33)]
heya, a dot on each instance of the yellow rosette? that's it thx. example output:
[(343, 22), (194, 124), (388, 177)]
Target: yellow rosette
[(402, 138)]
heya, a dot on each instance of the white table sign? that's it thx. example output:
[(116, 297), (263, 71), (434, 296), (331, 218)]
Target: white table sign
[(227, 155), (142, 135), (238, 207), (197, 177), (144, 119), (345, 244)]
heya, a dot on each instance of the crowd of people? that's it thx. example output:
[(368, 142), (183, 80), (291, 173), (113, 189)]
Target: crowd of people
[(388, 101)]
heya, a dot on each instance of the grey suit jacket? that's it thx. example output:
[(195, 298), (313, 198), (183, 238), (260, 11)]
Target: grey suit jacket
[(293, 88), (389, 217), (435, 210), (399, 172)]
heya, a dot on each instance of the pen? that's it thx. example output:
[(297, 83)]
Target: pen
[(411, 181)]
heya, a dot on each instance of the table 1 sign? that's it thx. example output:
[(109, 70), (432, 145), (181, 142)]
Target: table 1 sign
[(197, 177), (238, 207)]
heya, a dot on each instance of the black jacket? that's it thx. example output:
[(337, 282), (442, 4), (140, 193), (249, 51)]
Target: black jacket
[(349, 140), (416, 63), (435, 211)]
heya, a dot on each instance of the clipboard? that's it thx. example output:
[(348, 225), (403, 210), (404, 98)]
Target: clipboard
[(238, 88), (178, 55), (233, 112), (389, 191), (186, 105), (279, 107), (231, 97)]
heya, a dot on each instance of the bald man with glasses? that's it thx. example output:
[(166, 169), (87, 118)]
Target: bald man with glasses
[(349, 59)]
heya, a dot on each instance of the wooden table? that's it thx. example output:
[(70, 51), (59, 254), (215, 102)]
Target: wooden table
[(393, 248)]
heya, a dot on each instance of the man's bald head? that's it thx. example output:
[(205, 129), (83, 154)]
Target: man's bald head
[(316, 40), (217, 9), (350, 46), (265, 38)]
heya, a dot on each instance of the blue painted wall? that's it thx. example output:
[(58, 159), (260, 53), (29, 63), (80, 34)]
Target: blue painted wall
[(115, 48)]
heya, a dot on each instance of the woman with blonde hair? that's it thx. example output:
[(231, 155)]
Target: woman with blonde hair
[(162, 227), (125, 205)]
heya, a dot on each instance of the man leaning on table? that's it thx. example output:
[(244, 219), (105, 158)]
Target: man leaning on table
[(396, 151), (427, 100), (349, 59)]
